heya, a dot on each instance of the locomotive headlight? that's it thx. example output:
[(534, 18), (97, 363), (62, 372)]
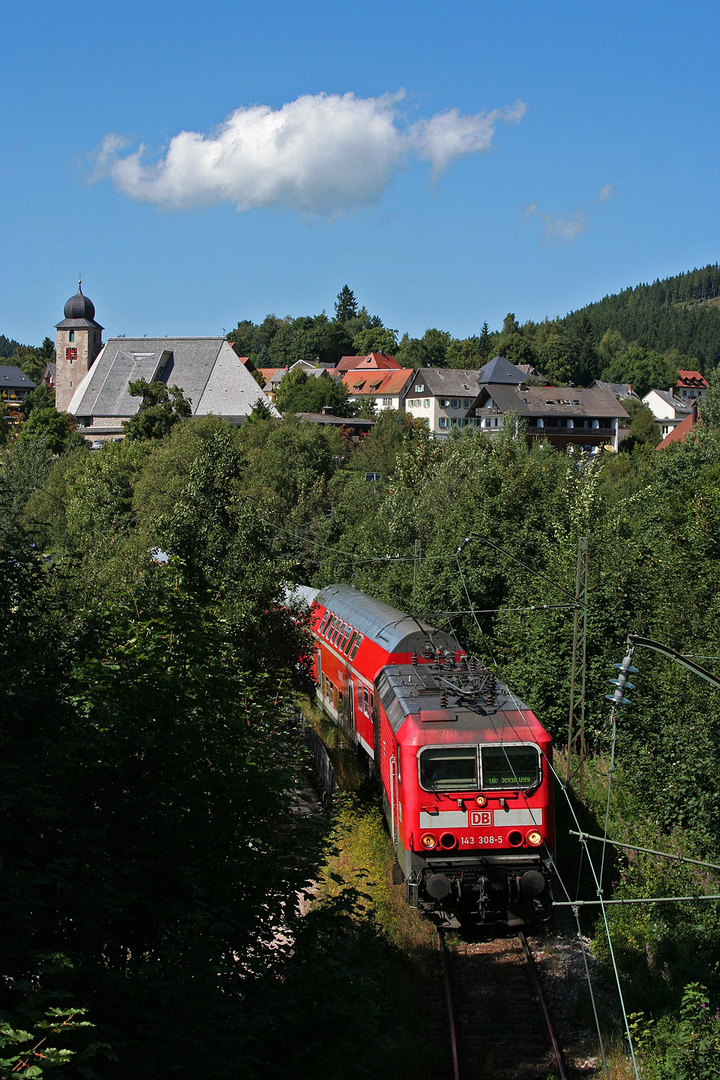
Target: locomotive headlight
[(481, 800), (428, 841), (534, 838)]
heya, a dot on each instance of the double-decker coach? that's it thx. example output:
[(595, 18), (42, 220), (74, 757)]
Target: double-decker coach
[(355, 637)]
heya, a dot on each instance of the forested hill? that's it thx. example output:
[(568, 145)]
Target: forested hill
[(681, 312)]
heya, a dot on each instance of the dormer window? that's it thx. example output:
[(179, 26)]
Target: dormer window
[(419, 387)]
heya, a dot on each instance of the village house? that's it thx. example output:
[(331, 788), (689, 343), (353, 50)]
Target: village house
[(585, 419), (14, 386), (385, 388), (668, 410), (443, 397), (690, 386)]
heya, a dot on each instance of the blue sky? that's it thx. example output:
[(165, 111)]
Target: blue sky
[(450, 162)]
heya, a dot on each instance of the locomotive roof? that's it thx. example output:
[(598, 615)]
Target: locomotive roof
[(464, 695), (380, 622)]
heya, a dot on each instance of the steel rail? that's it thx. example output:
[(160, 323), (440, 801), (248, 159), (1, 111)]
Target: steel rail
[(449, 1002), (543, 1005)]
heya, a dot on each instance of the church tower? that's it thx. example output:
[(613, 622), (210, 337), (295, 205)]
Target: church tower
[(79, 340)]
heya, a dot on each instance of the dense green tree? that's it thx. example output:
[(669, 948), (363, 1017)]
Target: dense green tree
[(58, 430), (554, 358), (346, 307), (242, 337), (300, 392), (379, 450), (644, 428), (317, 340), (516, 348), (464, 353), (485, 345), (644, 369), (586, 364), (375, 339), (42, 397), (710, 407), (428, 351), (160, 410), (612, 344), (8, 346)]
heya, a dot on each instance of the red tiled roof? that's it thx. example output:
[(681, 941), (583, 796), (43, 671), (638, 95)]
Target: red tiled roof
[(369, 360), (679, 433), (376, 383), (691, 378)]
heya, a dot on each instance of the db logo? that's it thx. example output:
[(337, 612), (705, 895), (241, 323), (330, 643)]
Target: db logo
[(480, 817)]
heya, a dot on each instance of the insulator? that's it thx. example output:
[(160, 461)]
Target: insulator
[(414, 658), (630, 669)]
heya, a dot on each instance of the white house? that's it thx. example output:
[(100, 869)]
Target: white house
[(442, 397), (668, 410)]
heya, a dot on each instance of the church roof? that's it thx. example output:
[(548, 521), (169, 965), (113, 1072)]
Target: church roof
[(207, 370), (79, 313)]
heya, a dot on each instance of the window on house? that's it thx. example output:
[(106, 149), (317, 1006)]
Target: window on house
[(442, 422), (455, 403), (443, 402), (387, 401), (426, 403), (419, 387)]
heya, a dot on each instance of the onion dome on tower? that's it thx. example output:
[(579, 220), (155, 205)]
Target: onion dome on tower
[(79, 311)]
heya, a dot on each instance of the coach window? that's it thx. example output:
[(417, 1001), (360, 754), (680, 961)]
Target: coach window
[(356, 646), (325, 620), (449, 768), (351, 641), (345, 639), (337, 632), (329, 628), (505, 767)]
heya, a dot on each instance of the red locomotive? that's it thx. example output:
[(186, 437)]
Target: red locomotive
[(464, 765)]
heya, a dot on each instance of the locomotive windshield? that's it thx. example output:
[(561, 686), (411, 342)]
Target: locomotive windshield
[(449, 768), (510, 767), (474, 768)]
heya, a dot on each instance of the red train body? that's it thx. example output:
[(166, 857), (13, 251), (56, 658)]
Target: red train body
[(464, 766)]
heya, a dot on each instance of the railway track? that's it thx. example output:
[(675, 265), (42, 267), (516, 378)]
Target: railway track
[(500, 1025)]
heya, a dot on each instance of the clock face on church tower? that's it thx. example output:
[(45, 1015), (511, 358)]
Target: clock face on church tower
[(71, 353)]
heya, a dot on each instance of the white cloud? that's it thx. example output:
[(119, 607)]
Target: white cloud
[(565, 228), (320, 154), (448, 135)]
